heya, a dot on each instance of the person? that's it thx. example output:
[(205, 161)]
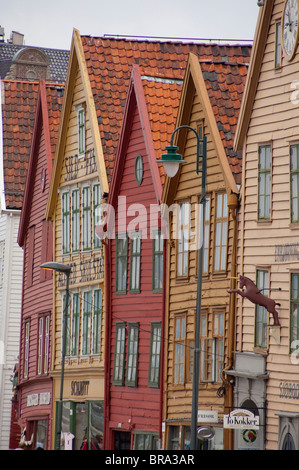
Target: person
[(84, 445), (96, 442)]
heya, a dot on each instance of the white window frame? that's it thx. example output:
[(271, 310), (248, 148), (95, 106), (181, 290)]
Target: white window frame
[(81, 131)]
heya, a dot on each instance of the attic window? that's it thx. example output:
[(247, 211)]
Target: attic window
[(81, 130), (139, 169)]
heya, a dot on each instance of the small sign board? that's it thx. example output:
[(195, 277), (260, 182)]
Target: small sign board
[(240, 419), (207, 416)]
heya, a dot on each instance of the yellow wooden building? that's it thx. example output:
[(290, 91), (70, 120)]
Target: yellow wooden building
[(78, 183), (210, 104)]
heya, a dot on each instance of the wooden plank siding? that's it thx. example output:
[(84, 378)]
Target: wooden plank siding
[(273, 120), (137, 407)]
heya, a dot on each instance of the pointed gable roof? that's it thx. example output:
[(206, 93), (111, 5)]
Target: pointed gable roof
[(219, 86), (259, 44), (109, 63), (47, 118), (157, 100)]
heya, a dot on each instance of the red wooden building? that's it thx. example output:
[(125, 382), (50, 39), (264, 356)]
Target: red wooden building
[(135, 306), (34, 393)]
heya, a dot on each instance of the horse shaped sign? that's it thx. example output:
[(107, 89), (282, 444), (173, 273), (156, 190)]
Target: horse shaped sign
[(252, 293)]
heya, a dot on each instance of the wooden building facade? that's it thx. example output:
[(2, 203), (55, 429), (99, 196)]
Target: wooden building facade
[(210, 104), (268, 135), (34, 388), (135, 257)]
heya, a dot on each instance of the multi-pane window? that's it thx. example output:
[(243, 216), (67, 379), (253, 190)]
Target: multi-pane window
[(66, 308), (26, 350), (212, 347), (183, 221), (132, 355), (261, 313), (43, 344), (278, 44), (179, 349), (86, 220), (206, 234), (75, 220), (86, 323), (145, 441), (75, 324), (65, 222), (294, 316), (294, 167), (121, 263), (96, 321), (135, 262), (157, 262), (264, 182), (119, 354), (96, 201), (81, 130), (155, 355), (221, 232)]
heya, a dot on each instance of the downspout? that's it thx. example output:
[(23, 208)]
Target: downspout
[(106, 437), (164, 300)]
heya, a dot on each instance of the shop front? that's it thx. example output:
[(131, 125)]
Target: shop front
[(82, 412)]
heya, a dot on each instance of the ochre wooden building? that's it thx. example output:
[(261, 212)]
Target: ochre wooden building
[(210, 104), (268, 136)]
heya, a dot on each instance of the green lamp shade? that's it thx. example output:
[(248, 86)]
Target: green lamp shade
[(171, 160)]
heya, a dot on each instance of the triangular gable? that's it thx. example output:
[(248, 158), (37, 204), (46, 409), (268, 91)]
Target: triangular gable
[(195, 83), (42, 122), (259, 44), (76, 60)]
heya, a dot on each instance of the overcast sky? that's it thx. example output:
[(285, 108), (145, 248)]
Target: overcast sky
[(50, 23)]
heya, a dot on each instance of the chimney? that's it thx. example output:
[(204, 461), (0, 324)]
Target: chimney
[(1, 34), (16, 38)]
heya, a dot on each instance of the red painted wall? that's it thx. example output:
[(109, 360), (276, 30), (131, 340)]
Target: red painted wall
[(137, 408)]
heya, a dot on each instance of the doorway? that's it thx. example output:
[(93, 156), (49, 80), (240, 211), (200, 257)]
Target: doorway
[(122, 440)]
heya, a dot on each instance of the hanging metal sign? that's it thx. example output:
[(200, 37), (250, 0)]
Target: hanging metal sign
[(241, 419)]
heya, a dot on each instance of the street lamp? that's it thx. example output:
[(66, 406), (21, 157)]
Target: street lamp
[(62, 268), (173, 160)]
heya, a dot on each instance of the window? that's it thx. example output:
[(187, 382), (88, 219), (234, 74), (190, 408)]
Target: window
[(206, 236), (294, 317), (212, 347), (132, 359), (75, 324), (261, 313), (139, 169), (119, 354), (135, 262), (121, 263), (157, 261), (68, 325), (145, 441), (294, 167), (86, 323), (97, 216), (183, 239), (43, 344), (277, 45), (26, 350), (86, 222), (155, 355), (264, 182), (179, 349), (221, 232), (75, 220), (65, 223), (96, 321), (81, 131)]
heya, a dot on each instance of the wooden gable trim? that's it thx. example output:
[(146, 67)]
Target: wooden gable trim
[(76, 59), (259, 44), (194, 82), (135, 97), (41, 121)]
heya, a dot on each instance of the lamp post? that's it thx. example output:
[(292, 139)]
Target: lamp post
[(171, 162), (62, 268)]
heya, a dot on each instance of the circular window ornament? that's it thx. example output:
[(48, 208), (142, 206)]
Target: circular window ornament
[(139, 169), (43, 179)]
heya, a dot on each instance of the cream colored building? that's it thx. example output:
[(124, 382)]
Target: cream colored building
[(266, 366)]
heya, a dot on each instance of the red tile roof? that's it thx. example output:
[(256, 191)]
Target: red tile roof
[(109, 62), (225, 84), (18, 116)]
